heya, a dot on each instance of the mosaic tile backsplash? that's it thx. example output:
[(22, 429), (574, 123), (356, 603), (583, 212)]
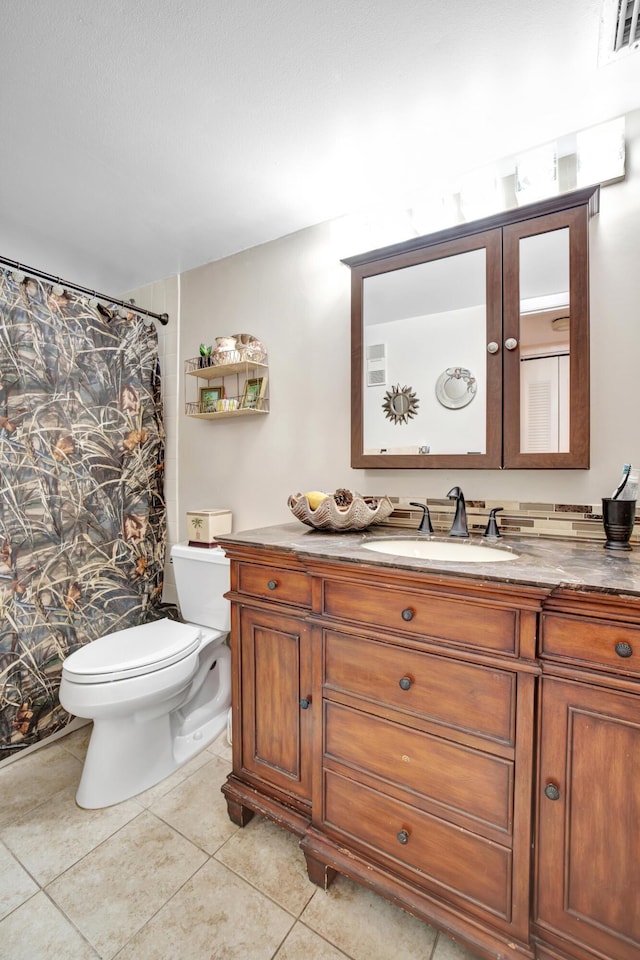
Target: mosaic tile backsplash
[(566, 520)]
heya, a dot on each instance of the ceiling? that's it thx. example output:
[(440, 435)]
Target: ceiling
[(141, 139)]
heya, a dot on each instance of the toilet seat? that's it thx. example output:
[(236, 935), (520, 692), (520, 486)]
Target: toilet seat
[(133, 652)]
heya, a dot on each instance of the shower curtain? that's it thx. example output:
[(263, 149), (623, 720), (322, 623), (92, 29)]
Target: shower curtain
[(82, 512)]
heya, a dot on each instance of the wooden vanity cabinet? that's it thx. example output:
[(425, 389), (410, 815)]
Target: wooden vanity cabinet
[(587, 900), (272, 691), (468, 749), (424, 747)]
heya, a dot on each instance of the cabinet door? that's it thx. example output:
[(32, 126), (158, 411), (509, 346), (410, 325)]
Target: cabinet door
[(546, 313), (275, 666), (588, 881)]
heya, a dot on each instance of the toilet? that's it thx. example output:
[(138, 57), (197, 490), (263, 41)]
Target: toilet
[(157, 693)]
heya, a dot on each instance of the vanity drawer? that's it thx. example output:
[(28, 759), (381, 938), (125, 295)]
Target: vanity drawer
[(439, 853), (468, 623), (425, 765), (274, 583), (594, 643), (466, 696)]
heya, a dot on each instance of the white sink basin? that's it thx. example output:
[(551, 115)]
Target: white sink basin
[(456, 550)]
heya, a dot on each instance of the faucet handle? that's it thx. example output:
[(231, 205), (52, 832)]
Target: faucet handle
[(492, 526), (425, 523)]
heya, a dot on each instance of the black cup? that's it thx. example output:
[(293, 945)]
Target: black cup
[(618, 517)]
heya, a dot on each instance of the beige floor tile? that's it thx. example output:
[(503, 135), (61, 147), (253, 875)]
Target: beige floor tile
[(215, 915), (111, 893), (303, 942), (179, 776), (77, 741), (37, 929), (16, 885), (33, 779), (366, 926), (49, 839), (270, 859), (221, 748), (197, 808), (448, 949)]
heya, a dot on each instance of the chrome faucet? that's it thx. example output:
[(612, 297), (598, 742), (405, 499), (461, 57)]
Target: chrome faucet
[(459, 525)]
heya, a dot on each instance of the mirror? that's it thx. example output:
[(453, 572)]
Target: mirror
[(545, 350), (488, 323), (400, 405), (456, 387), (411, 318)]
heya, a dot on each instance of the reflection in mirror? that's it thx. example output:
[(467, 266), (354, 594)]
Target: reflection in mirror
[(456, 387), (423, 319), (544, 342), (400, 405)]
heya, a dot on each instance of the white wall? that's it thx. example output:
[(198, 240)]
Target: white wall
[(293, 294), (164, 297)]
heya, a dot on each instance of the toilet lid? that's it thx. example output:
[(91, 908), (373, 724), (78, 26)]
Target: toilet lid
[(132, 652)]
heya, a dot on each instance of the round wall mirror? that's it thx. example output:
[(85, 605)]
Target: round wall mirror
[(456, 387)]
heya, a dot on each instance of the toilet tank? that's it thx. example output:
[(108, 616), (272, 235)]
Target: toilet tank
[(202, 579)]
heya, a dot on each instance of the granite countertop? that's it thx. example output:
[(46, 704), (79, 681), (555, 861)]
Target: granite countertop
[(551, 563)]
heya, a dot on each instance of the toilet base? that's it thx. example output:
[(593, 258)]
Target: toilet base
[(128, 755), (124, 758)]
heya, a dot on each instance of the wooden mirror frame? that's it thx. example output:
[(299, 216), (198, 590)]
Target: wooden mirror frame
[(499, 235)]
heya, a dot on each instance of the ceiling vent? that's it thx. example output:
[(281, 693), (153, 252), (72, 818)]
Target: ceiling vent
[(619, 29)]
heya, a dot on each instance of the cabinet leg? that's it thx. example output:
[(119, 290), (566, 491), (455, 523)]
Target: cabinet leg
[(238, 813), (319, 873)]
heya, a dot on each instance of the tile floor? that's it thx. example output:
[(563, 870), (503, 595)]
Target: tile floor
[(167, 876)]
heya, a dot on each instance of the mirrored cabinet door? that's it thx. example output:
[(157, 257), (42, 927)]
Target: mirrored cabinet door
[(470, 347), (546, 316), (423, 329)]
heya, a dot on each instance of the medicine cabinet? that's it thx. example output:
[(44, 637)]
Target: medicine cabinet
[(470, 347)]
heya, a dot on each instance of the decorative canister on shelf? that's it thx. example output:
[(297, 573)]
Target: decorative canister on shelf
[(225, 350), (250, 348)]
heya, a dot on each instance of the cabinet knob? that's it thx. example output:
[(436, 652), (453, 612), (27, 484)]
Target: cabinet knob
[(272, 584), (305, 703), (407, 614), (624, 649), (403, 837), (405, 683), (551, 792), (511, 343), (493, 347)]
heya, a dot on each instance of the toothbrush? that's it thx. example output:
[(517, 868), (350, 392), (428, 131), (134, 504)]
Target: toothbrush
[(626, 469)]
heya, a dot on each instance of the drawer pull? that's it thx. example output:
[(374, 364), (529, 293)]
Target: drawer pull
[(305, 703), (272, 584), (405, 683), (403, 837), (624, 649), (407, 614), (551, 792)]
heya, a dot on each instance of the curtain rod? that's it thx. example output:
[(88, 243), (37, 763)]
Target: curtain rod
[(162, 317)]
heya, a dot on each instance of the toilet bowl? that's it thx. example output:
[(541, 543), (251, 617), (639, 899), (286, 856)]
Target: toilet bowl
[(157, 693)]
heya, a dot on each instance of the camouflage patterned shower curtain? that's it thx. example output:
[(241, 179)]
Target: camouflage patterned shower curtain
[(82, 512)]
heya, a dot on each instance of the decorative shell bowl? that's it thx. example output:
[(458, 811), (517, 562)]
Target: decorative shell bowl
[(358, 515)]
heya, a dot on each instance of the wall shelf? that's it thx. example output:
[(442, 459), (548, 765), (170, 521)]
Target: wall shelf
[(235, 389)]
